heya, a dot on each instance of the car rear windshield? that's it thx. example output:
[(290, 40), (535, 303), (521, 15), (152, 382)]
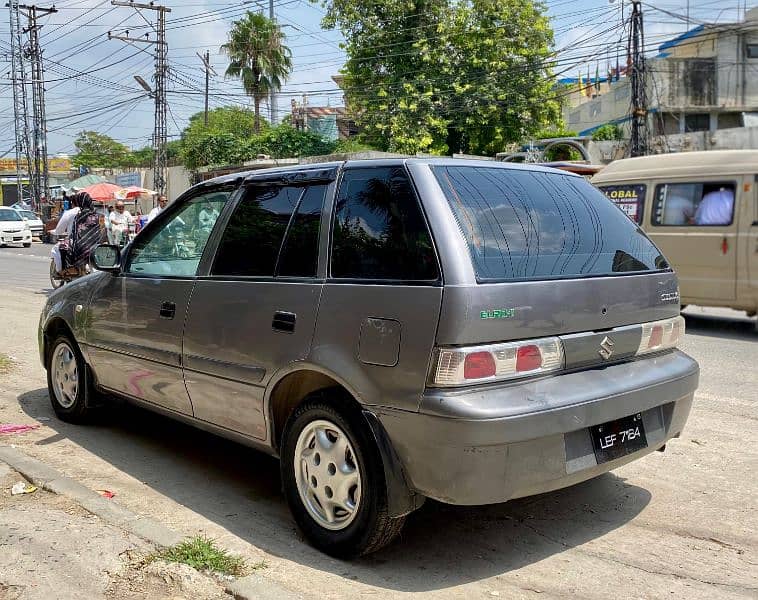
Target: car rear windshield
[(523, 224)]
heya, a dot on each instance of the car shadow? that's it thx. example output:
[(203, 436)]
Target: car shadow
[(239, 489), (725, 327)]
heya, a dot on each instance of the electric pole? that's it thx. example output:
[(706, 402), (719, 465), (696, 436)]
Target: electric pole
[(20, 109), (638, 144), (160, 135), (272, 98), (206, 60), (39, 176)]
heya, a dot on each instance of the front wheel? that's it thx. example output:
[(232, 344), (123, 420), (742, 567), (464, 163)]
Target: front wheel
[(27, 244), (66, 380), (334, 480)]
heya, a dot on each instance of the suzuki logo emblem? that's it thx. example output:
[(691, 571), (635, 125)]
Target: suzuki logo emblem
[(606, 348)]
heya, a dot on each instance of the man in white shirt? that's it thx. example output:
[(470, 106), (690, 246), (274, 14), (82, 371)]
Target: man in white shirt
[(120, 220), (162, 201), (64, 227), (715, 208)]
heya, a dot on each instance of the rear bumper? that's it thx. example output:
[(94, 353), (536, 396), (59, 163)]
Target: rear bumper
[(491, 445)]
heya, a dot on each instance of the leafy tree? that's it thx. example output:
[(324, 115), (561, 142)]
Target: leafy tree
[(608, 132), (97, 150), (446, 75), (258, 57), (230, 138)]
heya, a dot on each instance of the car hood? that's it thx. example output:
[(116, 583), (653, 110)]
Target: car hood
[(11, 225)]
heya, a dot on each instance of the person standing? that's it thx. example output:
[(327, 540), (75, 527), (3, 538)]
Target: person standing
[(162, 201), (120, 220)]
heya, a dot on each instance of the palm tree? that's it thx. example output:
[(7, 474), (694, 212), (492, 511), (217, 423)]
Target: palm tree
[(258, 57)]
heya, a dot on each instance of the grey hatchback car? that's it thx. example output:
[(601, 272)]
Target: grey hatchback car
[(392, 330)]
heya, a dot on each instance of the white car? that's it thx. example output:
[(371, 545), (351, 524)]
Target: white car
[(13, 228), (36, 226)]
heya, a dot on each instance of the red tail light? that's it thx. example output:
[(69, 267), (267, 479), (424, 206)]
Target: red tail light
[(656, 337), (528, 358), (479, 365)]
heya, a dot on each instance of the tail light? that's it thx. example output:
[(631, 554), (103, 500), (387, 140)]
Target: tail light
[(496, 362), (661, 335)]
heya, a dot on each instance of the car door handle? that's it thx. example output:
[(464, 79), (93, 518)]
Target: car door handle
[(168, 310), (284, 321)]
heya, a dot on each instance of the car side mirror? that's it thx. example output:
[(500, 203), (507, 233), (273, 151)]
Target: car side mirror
[(107, 257)]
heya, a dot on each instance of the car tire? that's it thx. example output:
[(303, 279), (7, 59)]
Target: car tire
[(67, 381), (27, 244), (314, 455)]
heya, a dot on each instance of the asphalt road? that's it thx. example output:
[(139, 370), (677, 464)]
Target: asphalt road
[(678, 524), (26, 268)]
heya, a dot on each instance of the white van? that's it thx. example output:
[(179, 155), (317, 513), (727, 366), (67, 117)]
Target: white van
[(701, 210)]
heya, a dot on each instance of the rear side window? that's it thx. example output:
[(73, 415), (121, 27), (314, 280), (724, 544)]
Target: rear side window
[(699, 204), (538, 225), (273, 231), (379, 229), (630, 198)]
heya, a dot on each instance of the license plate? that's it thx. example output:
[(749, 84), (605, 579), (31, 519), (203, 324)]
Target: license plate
[(618, 438)]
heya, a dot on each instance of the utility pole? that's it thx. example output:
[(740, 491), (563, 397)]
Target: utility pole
[(160, 137), (638, 144), (38, 174), (20, 109), (206, 60), (272, 98)]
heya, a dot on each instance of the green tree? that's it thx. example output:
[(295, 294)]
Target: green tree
[(608, 132), (446, 75), (258, 57), (97, 150), (230, 138)]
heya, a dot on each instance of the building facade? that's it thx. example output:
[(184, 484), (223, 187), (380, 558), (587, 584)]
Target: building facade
[(704, 80)]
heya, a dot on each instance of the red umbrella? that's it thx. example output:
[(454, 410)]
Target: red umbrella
[(102, 192)]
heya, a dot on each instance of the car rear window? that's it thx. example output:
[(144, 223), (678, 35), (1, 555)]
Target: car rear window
[(523, 224)]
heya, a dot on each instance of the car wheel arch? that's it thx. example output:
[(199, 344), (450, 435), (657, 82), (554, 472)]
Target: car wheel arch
[(298, 386), (53, 328)]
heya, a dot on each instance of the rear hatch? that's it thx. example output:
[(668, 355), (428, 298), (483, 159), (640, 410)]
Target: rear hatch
[(552, 257)]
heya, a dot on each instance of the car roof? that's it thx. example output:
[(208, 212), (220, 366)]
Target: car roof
[(711, 162), (378, 162)]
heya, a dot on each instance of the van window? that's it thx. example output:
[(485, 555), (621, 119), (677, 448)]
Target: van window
[(700, 204), (630, 198), (524, 224), (379, 229)]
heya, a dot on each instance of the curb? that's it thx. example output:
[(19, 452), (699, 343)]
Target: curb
[(252, 587)]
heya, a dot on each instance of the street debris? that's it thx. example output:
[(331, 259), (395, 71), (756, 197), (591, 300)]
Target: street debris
[(106, 493), (23, 488)]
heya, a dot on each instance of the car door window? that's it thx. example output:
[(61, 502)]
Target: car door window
[(175, 248), (253, 241), (379, 229)]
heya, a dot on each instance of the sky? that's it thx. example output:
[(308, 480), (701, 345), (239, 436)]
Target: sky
[(90, 79)]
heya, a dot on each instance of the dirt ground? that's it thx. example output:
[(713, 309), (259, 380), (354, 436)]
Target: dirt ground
[(678, 524)]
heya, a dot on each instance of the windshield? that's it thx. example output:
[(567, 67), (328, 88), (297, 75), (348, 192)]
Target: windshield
[(9, 215), (523, 224), (29, 215)]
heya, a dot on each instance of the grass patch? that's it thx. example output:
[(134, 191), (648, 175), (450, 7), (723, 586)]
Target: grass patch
[(202, 554), (6, 364)]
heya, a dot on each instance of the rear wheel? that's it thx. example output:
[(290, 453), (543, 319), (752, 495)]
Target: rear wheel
[(55, 279), (66, 381), (334, 480)]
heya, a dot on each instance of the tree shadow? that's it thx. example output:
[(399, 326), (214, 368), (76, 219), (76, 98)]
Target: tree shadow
[(239, 489)]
